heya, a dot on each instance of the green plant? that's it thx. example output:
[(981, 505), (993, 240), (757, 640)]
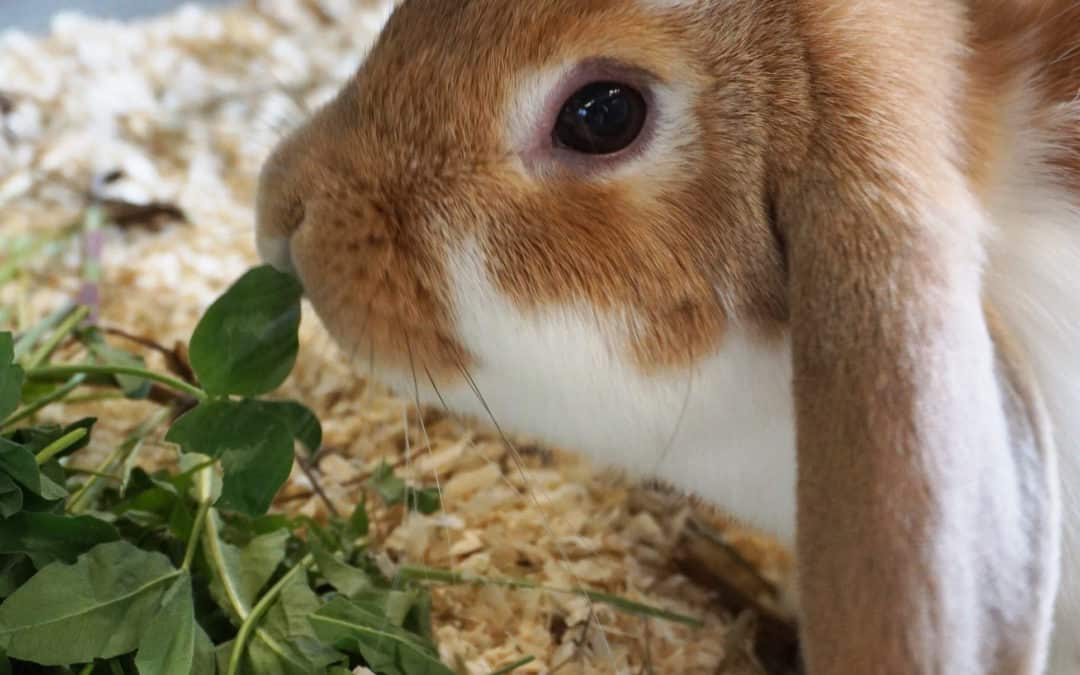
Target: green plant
[(120, 571)]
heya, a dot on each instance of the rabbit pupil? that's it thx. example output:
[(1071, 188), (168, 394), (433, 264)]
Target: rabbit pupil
[(601, 118)]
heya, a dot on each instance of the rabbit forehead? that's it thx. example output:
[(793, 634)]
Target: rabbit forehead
[(450, 77), (450, 45)]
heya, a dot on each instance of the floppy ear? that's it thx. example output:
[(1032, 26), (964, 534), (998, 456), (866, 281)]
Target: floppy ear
[(917, 491), (926, 519)]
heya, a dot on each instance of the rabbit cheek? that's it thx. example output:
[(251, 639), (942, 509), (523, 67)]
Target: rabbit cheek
[(380, 293)]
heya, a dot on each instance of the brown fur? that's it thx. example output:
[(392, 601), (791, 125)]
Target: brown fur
[(836, 160)]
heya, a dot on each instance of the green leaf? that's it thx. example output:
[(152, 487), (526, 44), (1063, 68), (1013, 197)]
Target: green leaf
[(390, 488), (286, 642), (346, 579), (12, 377), (303, 425), (426, 501), (46, 537), (97, 608), (18, 462), (155, 503), (173, 643), (246, 343), (240, 573), (419, 618), (11, 497), (222, 652), (393, 491), (358, 522), (240, 529), (395, 606), (387, 649), (15, 570), (204, 661), (254, 446)]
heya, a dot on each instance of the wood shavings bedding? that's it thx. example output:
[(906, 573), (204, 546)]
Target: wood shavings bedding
[(181, 110)]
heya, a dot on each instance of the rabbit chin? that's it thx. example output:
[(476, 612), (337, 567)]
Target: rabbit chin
[(722, 429)]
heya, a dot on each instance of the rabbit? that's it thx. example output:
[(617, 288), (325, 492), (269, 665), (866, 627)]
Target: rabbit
[(814, 261)]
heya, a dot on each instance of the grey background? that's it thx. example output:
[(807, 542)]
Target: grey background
[(34, 15)]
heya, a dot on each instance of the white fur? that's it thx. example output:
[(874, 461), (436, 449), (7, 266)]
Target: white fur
[(724, 430), (1034, 280)]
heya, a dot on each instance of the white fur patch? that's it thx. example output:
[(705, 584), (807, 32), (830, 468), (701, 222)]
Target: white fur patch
[(723, 430)]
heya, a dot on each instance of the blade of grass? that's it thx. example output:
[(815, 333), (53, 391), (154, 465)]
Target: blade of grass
[(66, 327), (420, 573), (506, 670), (28, 339), (79, 471)]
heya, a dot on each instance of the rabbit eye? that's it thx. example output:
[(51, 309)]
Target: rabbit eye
[(601, 118)]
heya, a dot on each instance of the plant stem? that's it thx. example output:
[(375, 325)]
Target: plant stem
[(215, 555), (47, 372), (59, 445), (62, 331), (93, 242), (37, 405), (205, 498), (306, 465), (78, 471), (87, 669), (260, 608)]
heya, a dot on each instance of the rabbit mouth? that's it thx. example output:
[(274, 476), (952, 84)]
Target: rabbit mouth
[(383, 336)]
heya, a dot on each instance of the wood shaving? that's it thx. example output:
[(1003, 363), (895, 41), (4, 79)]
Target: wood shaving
[(181, 110)]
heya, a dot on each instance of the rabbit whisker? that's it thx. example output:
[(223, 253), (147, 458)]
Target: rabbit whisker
[(520, 465)]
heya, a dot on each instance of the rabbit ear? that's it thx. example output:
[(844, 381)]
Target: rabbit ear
[(917, 547), (907, 488)]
